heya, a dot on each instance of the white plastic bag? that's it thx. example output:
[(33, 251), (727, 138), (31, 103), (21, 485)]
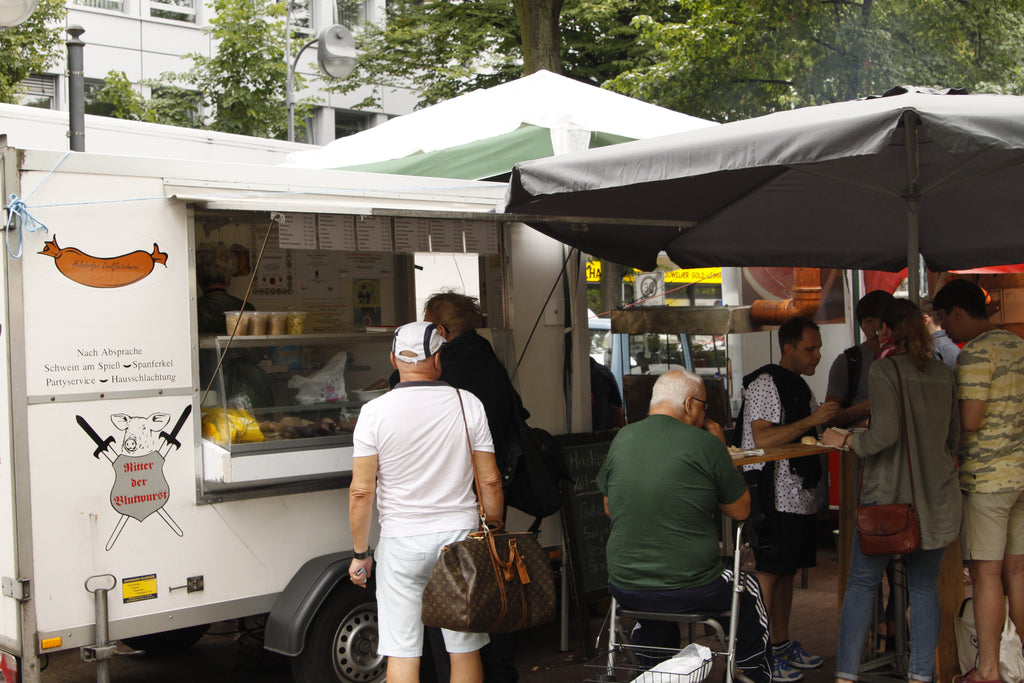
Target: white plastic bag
[(1011, 660), (692, 664), (326, 385)]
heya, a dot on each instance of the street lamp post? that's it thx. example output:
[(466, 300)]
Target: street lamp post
[(336, 55), (13, 12)]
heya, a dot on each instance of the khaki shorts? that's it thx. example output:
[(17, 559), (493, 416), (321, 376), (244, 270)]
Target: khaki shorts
[(993, 525)]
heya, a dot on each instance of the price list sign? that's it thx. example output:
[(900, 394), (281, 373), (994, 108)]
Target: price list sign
[(412, 234), (446, 235), (336, 232), (297, 231), (481, 236), (373, 233)]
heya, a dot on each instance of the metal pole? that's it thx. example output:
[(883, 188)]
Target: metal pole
[(102, 650), (76, 89), (912, 195), (289, 86), (291, 89)]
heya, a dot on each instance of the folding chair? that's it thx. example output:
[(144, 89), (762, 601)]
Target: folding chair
[(619, 650)]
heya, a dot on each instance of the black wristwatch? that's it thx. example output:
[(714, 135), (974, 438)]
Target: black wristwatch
[(363, 555)]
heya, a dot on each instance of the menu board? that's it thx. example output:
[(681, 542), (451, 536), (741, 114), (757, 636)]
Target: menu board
[(373, 233), (336, 232), (412, 235), (297, 231)]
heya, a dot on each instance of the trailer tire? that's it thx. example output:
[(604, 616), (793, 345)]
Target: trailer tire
[(168, 642), (341, 643)]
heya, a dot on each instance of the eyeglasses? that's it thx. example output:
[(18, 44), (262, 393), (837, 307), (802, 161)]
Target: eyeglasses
[(702, 402)]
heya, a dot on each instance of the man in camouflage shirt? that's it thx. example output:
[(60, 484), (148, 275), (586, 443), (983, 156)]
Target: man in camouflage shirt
[(990, 386)]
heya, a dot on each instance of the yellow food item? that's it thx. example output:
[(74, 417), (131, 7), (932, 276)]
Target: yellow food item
[(231, 426), (809, 441)]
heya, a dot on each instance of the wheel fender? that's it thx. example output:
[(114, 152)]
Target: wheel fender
[(298, 603)]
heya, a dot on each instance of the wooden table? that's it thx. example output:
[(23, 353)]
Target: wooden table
[(792, 450), (951, 583)]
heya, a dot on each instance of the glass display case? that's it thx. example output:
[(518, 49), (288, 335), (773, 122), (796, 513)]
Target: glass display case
[(279, 408)]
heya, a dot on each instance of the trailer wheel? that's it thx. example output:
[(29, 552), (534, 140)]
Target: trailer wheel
[(168, 642), (341, 644)]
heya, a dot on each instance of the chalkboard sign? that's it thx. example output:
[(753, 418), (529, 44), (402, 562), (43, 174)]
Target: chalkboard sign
[(584, 524)]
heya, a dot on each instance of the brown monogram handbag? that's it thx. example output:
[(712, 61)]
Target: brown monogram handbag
[(891, 529), (491, 582)]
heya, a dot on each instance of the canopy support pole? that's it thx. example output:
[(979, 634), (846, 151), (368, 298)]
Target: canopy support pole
[(912, 196)]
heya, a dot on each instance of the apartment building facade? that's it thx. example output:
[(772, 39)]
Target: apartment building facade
[(146, 38)]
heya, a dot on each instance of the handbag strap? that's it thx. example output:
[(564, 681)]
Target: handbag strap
[(905, 435), (476, 477)]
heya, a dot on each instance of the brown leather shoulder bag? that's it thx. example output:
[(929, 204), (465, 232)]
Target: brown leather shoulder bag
[(491, 582), (891, 529)]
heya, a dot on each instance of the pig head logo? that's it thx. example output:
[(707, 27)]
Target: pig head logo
[(137, 456)]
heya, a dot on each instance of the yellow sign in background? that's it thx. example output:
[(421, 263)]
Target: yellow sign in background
[(712, 276)]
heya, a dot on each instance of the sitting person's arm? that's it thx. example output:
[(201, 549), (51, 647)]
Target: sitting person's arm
[(714, 429), (739, 509)]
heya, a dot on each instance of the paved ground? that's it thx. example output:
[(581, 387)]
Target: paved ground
[(221, 657)]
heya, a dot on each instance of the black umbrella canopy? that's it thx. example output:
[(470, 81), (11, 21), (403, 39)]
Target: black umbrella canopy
[(829, 186)]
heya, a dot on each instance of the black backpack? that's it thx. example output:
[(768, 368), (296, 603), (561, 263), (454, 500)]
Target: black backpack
[(536, 487), (854, 361)]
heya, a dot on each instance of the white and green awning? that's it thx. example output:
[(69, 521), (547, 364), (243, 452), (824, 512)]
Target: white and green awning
[(482, 134)]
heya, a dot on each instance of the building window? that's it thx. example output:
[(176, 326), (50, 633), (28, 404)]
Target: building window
[(178, 10), (93, 86), (112, 5), (353, 13), (349, 122), (38, 90)]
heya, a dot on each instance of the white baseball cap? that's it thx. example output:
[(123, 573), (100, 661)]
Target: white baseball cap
[(416, 341)]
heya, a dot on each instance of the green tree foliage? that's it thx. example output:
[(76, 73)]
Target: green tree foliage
[(239, 89), (443, 49), (728, 59), (31, 47), (173, 105), (122, 100), (244, 81), (169, 104)]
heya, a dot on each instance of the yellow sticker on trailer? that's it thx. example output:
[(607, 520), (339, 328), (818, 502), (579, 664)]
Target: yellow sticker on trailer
[(136, 588)]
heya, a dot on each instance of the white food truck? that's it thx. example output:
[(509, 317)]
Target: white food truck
[(126, 463)]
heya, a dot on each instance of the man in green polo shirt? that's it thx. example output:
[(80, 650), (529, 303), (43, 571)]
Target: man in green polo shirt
[(663, 480)]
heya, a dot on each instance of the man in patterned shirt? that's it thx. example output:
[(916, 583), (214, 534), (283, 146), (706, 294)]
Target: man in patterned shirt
[(779, 408), (990, 386)]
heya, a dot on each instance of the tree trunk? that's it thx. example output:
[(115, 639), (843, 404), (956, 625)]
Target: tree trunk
[(538, 22)]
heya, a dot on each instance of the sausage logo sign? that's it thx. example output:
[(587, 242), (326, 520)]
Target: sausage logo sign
[(94, 271), (140, 488)]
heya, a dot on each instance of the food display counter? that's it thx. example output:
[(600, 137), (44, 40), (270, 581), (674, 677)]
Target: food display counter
[(280, 409)]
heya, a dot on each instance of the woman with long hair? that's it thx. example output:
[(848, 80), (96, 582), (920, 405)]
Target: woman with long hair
[(913, 384)]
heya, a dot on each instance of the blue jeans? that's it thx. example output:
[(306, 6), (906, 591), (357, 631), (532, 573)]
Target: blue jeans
[(859, 606)]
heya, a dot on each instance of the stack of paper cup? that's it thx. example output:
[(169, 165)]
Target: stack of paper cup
[(237, 323)]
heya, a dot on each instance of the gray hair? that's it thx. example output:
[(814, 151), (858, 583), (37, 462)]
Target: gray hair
[(675, 387)]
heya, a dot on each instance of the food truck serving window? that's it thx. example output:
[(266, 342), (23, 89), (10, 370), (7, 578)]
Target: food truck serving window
[(294, 321)]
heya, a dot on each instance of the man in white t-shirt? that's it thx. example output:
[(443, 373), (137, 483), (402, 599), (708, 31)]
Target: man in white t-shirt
[(415, 448)]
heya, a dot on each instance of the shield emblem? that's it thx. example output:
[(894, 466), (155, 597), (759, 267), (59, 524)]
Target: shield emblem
[(140, 488)]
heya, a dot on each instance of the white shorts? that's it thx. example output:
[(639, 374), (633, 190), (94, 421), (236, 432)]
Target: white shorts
[(403, 568)]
